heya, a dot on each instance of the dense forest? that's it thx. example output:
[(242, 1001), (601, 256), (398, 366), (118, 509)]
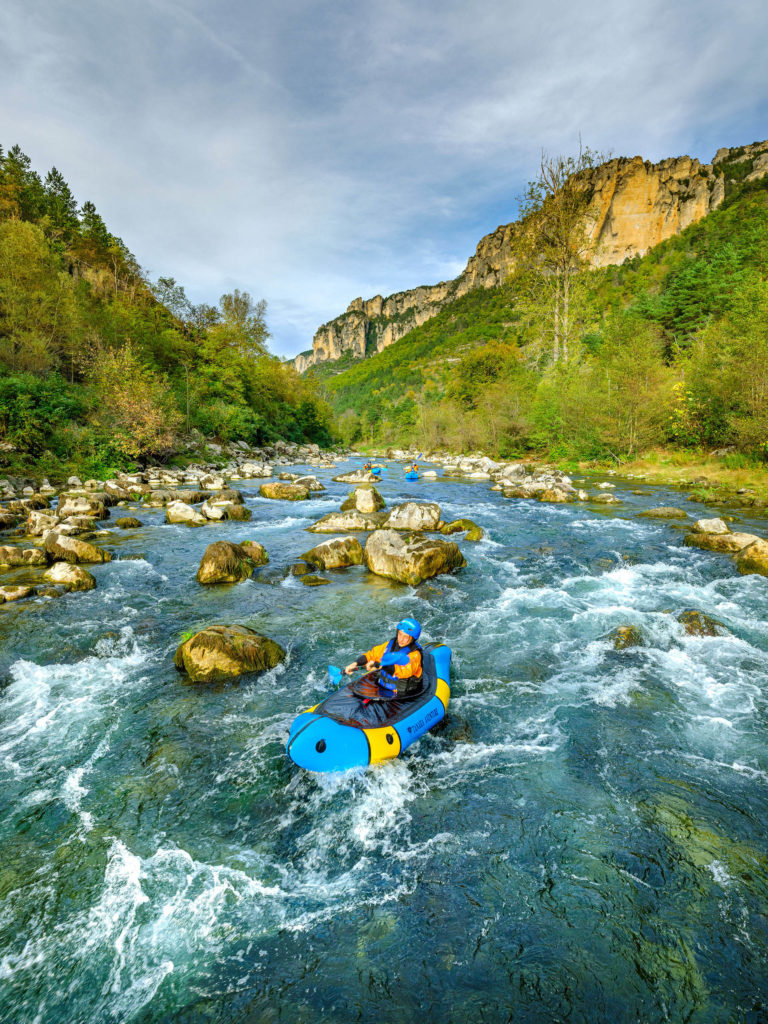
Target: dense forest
[(100, 368), (670, 349)]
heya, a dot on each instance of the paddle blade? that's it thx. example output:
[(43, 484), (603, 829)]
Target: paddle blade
[(399, 658), (334, 675)]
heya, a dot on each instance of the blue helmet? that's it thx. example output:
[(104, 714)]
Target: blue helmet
[(411, 627)]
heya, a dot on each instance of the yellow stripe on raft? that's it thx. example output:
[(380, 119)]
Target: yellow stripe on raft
[(382, 749), (443, 691)]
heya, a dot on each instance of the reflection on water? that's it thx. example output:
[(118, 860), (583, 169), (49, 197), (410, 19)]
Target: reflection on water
[(582, 840)]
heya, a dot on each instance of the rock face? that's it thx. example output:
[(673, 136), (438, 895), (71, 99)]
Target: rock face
[(753, 558), (335, 554), (225, 652), (74, 577), (284, 491), (223, 562), (410, 559), (364, 499), (635, 205), (413, 515)]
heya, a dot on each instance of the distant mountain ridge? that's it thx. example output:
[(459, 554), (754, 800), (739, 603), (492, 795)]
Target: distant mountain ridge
[(636, 204)]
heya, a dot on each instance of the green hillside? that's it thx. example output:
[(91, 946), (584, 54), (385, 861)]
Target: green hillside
[(100, 368), (670, 348)]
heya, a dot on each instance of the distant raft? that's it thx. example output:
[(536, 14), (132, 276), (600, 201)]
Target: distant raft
[(352, 730)]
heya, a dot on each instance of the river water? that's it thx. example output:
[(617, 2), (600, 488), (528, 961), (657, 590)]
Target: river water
[(583, 840)]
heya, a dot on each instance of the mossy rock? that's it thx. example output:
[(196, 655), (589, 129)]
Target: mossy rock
[(365, 499), (624, 637), (664, 512), (128, 523), (698, 624), (474, 532), (300, 569), (284, 491), (337, 553), (226, 652), (239, 513), (224, 562), (310, 580), (753, 558)]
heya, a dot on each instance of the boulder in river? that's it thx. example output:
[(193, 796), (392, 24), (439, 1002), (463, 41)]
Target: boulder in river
[(358, 476), (337, 553), (474, 532), (624, 637), (10, 555), (180, 512), (410, 559), (727, 543), (311, 580), (128, 523), (664, 512), (39, 523), (81, 505), (281, 491), (343, 522), (17, 593), (698, 624), (414, 515), (605, 499), (710, 526), (365, 499), (226, 652), (239, 513), (753, 558), (73, 577), (310, 482), (556, 495), (62, 548), (224, 562), (255, 551)]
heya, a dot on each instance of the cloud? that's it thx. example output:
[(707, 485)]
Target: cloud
[(313, 153)]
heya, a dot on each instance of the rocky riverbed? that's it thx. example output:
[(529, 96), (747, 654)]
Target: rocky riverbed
[(586, 830)]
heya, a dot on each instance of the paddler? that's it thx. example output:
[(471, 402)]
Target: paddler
[(404, 679)]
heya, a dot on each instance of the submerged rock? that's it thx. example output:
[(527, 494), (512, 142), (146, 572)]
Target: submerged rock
[(753, 558), (337, 553), (310, 580), (73, 577), (365, 499), (410, 559), (474, 532), (281, 491), (413, 515), (664, 512), (226, 652), (624, 637), (698, 624), (224, 562)]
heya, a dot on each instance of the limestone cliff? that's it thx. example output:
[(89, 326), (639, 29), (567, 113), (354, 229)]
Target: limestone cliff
[(635, 205)]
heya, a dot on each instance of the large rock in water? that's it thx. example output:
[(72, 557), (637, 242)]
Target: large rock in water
[(74, 577), (365, 499), (10, 555), (413, 515), (727, 543), (62, 548), (180, 512), (753, 558), (343, 522), (283, 491), (337, 553), (359, 476), (664, 512), (226, 652), (81, 505), (410, 559), (223, 562), (473, 531)]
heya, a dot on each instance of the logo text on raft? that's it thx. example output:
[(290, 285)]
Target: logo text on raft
[(423, 721)]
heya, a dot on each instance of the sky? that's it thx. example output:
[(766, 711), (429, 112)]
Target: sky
[(313, 152)]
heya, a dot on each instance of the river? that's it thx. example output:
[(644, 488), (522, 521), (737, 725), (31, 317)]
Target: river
[(583, 840)]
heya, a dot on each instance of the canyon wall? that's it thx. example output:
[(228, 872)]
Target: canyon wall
[(635, 205)]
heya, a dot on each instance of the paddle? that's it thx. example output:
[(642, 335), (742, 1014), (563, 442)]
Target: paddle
[(393, 658)]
